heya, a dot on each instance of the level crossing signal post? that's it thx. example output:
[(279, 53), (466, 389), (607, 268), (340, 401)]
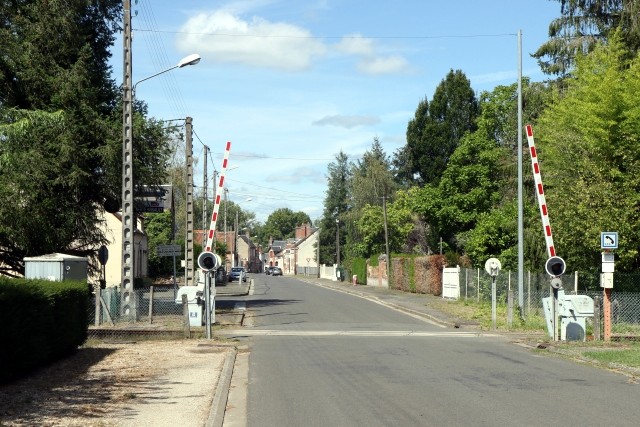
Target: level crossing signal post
[(555, 267), (208, 262)]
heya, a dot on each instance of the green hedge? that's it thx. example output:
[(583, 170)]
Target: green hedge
[(359, 267), (41, 321)]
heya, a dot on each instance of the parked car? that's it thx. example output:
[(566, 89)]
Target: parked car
[(268, 270), (276, 271), (236, 272)]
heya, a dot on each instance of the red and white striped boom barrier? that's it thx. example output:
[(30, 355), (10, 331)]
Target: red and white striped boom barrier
[(544, 212), (216, 205)]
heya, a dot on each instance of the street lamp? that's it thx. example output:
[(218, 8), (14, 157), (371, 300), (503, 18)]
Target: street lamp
[(338, 241), (192, 59), (128, 217)]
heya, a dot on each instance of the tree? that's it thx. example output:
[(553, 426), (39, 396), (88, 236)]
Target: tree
[(55, 54), (582, 25), (335, 207), (589, 149), (436, 130), (282, 223), (371, 178), (470, 186), (158, 229), (61, 128)]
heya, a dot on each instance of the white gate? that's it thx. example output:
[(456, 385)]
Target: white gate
[(451, 282)]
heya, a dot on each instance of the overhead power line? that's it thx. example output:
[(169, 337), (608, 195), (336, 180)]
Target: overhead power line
[(284, 36)]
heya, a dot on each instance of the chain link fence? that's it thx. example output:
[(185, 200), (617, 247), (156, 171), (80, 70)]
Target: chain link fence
[(154, 309), (475, 286)]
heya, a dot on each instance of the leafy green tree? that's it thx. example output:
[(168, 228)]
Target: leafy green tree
[(60, 125), (470, 186), (400, 224), (371, 178), (496, 235), (582, 25), (438, 126), (335, 207), (44, 188), (158, 229), (55, 54), (282, 223), (589, 147)]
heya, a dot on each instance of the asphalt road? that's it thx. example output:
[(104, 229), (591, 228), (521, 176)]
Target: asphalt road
[(318, 357)]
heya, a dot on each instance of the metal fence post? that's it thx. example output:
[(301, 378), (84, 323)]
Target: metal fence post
[(466, 283), (150, 304), (509, 307), (528, 293), (97, 305), (596, 318), (185, 315)]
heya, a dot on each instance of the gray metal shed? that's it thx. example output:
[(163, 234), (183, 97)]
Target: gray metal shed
[(55, 267)]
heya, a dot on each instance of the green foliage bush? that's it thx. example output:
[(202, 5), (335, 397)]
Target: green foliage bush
[(41, 322), (359, 267)]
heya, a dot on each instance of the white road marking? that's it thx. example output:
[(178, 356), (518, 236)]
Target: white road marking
[(285, 333)]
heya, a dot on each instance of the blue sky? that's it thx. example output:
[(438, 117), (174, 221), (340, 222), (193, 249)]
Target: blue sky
[(291, 83)]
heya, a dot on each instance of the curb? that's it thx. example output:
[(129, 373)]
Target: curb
[(219, 402)]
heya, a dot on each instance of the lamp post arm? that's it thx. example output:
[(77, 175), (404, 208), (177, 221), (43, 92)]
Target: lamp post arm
[(150, 77)]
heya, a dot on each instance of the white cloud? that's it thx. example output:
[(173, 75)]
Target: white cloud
[(347, 121), (224, 37), (371, 61), (356, 45), (384, 65)]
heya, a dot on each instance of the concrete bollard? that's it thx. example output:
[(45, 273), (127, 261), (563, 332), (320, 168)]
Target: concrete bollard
[(355, 279)]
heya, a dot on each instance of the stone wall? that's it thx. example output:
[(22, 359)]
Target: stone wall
[(417, 274)]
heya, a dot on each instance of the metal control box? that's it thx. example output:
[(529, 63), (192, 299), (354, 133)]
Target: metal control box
[(195, 303), (573, 310)]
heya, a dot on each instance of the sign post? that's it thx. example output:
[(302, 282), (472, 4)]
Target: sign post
[(208, 262), (608, 242), (493, 266)]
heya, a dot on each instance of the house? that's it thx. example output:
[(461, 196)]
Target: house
[(111, 225), (274, 255), (297, 255), (307, 250), (248, 255)]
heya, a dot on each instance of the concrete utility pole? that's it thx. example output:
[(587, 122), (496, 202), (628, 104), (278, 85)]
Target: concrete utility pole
[(235, 261), (226, 240), (215, 195), (128, 305), (188, 243), (386, 235)]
